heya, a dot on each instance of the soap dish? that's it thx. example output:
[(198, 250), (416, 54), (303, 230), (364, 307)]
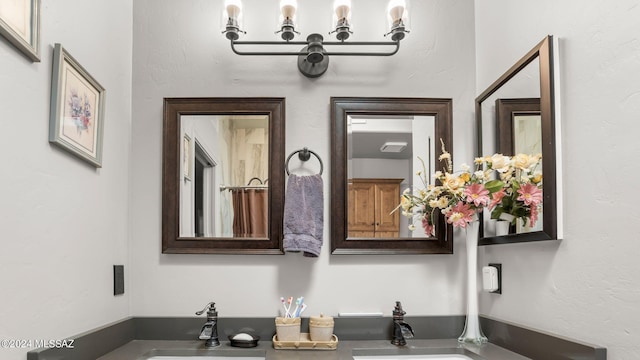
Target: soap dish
[(244, 343), (305, 343)]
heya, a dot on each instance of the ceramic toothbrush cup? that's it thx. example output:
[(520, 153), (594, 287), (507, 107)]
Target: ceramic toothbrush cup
[(288, 329), (321, 328)]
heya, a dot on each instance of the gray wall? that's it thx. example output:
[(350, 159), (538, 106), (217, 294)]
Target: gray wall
[(179, 51), (64, 223), (584, 287)]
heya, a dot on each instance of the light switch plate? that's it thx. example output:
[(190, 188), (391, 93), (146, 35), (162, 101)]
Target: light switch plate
[(118, 279)]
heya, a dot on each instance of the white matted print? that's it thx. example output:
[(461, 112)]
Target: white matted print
[(20, 25), (77, 108)]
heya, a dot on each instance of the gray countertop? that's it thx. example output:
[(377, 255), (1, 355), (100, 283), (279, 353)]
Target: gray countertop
[(142, 349)]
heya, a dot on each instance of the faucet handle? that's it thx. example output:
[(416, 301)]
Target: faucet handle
[(210, 307), (397, 310)]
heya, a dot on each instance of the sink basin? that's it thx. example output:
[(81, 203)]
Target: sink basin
[(202, 354), (204, 357), (407, 357), (415, 354)]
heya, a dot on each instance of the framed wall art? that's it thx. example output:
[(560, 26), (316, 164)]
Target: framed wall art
[(77, 108), (20, 25)]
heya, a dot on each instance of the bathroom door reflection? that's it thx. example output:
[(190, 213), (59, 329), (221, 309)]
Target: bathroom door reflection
[(224, 190)]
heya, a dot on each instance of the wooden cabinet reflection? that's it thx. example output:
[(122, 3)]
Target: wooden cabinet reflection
[(371, 202)]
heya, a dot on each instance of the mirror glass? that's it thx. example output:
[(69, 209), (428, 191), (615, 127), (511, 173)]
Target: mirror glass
[(384, 155), (223, 180), (225, 162), (516, 115), (378, 146)]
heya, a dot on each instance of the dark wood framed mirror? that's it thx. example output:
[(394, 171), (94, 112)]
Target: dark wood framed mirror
[(375, 143), (517, 113), (223, 175)]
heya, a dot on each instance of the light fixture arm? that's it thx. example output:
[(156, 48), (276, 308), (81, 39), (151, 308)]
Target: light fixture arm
[(313, 59)]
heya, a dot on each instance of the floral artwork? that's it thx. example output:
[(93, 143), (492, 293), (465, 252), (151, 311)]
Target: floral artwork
[(20, 25), (500, 183), (79, 124), (77, 108)]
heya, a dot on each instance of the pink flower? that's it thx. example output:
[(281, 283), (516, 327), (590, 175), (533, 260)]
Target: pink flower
[(460, 214), (477, 194), (530, 194), (497, 198), (429, 229)]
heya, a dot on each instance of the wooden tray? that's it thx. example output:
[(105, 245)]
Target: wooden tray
[(305, 343)]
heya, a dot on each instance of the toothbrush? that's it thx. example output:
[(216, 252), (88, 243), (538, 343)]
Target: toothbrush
[(286, 311), (289, 300), (302, 309), (298, 302)]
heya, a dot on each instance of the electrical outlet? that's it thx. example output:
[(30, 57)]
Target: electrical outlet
[(118, 279), (499, 268)]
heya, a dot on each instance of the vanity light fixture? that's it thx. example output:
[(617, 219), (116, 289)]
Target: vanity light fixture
[(313, 59)]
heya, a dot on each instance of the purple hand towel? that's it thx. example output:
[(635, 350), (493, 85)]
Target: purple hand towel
[(304, 215)]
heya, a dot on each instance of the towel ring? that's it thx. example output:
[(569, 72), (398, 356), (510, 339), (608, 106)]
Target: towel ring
[(304, 154)]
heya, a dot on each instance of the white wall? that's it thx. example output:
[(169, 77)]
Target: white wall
[(64, 223), (586, 286), (180, 52)]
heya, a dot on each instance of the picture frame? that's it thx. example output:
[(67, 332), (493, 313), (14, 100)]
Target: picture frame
[(20, 25), (186, 157), (76, 120)]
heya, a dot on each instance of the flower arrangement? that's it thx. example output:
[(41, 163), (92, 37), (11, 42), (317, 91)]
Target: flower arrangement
[(460, 195), (520, 195)]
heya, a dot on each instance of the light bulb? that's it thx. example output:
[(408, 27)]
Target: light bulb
[(396, 9), (234, 8), (288, 8), (342, 8)]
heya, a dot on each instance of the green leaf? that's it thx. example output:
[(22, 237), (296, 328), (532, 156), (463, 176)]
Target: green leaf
[(494, 185)]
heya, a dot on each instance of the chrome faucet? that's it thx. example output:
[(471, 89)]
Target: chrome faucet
[(401, 330), (209, 330)]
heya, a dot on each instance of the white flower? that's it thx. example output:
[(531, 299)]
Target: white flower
[(500, 162)]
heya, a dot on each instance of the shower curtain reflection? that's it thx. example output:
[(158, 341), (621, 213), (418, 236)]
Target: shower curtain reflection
[(250, 212)]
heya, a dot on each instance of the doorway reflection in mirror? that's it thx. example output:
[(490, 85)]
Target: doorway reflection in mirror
[(527, 139), (228, 193)]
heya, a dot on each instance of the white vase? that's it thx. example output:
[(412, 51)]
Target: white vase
[(472, 332), (503, 223), (502, 227)]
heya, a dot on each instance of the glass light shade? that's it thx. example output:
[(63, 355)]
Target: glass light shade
[(341, 23), (288, 19), (233, 8), (288, 9), (398, 14), (342, 8), (232, 18)]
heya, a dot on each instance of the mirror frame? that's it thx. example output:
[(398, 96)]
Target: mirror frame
[(174, 108), (341, 107), (544, 52)]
